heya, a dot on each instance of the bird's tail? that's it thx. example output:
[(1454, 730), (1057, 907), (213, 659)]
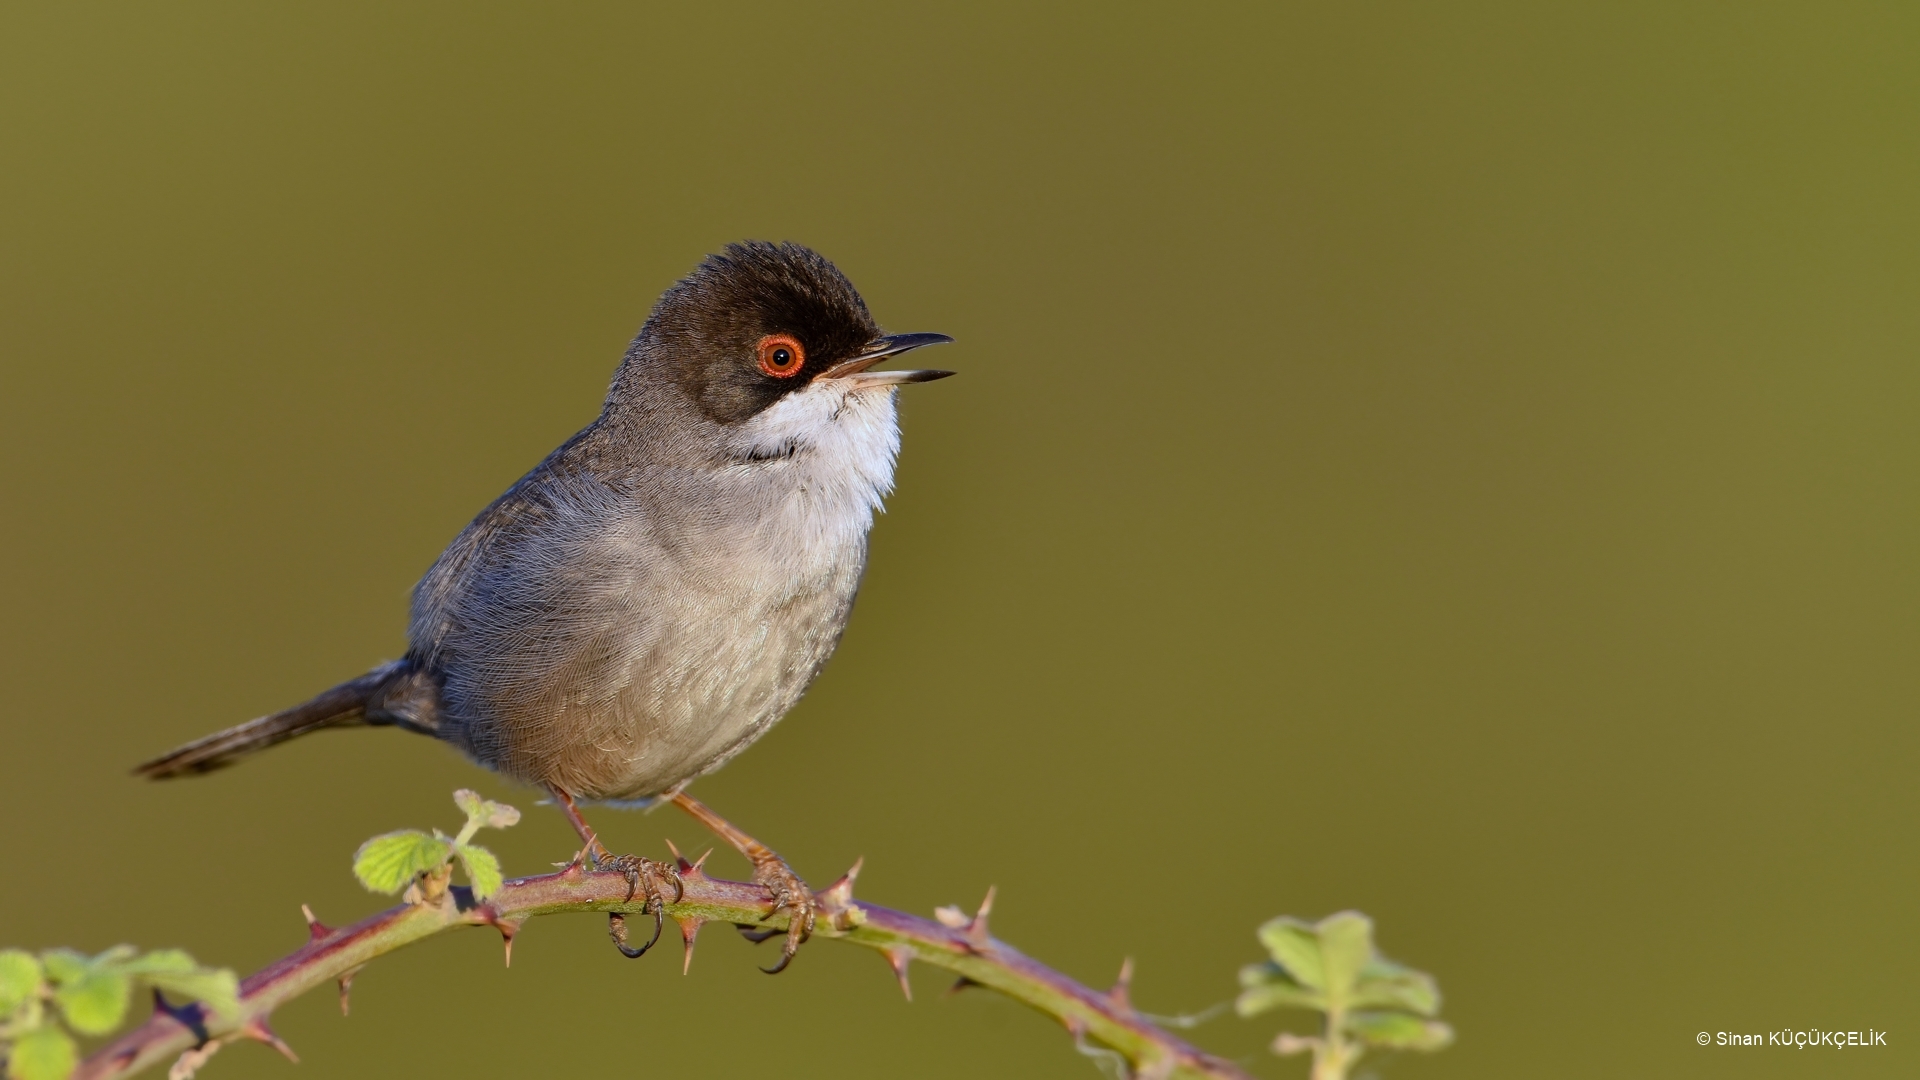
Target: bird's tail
[(343, 706)]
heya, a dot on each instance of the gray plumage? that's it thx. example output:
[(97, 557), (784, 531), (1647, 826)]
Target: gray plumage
[(661, 589)]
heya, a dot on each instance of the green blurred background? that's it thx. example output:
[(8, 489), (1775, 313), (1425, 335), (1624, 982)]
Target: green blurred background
[(1452, 461)]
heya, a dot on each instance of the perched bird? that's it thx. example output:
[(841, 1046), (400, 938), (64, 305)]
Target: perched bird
[(659, 591)]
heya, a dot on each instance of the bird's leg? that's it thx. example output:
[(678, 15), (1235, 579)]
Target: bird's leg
[(788, 892), (639, 872), (593, 849)]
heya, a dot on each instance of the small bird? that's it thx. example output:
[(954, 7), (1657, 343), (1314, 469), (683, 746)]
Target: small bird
[(659, 591)]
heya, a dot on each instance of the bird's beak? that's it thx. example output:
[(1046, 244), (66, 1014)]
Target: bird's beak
[(855, 370)]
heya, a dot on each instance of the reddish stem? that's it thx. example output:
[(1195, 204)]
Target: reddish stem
[(1107, 1018)]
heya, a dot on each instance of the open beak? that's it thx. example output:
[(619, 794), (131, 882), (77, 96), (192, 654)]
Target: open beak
[(856, 371)]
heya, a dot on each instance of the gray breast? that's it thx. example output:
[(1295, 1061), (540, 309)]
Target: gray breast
[(599, 644), (616, 626)]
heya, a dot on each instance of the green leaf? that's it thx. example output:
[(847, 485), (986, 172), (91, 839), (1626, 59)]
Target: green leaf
[(1278, 995), (175, 972), (1268, 986), (159, 962), (64, 965), (1263, 972), (45, 1053), (483, 869), (96, 1002), (92, 992), (1413, 991), (389, 862), (1398, 1031), (485, 812), (19, 979), (1295, 946), (1382, 968), (219, 988), (1346, 944)]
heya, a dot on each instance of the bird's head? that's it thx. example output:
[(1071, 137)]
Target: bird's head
[(771, 328)]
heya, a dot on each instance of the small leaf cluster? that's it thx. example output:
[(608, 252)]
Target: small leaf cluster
[(392, 861), (45, 999), (1331, 967)]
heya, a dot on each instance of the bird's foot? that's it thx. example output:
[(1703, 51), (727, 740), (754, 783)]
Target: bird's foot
[(771, 872), (791, 895), (647, 878)]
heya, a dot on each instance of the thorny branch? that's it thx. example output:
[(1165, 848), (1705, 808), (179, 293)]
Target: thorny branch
[(957, 942)]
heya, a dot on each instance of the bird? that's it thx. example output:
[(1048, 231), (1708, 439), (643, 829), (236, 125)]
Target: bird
[(660, 590)]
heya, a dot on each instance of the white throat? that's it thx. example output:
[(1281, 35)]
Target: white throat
[(816, 466)]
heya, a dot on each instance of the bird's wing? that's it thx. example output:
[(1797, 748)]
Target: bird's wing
[(529, 620)]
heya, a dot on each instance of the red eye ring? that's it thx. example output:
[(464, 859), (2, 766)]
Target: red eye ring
[(782, 356)]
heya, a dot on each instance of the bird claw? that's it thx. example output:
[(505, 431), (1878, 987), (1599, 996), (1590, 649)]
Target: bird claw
[(641, 874), (789, 894), (617, 930)]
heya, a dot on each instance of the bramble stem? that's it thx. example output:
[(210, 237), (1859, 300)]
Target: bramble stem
[(331, 955)]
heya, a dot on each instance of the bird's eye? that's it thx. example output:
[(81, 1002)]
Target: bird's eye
[(781, 356)]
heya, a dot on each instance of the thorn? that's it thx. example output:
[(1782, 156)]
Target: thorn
[(977, 935), (315, 928), (960, 984), (689, 929), (836, 900), (693, 869), (975, 926), (1102, 1056), (509, 929), (1119, 994), (190, 1060), (1157, 1070), (346, 984), (256, 1029), (838, 897), (577, 865), (898, 959)]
